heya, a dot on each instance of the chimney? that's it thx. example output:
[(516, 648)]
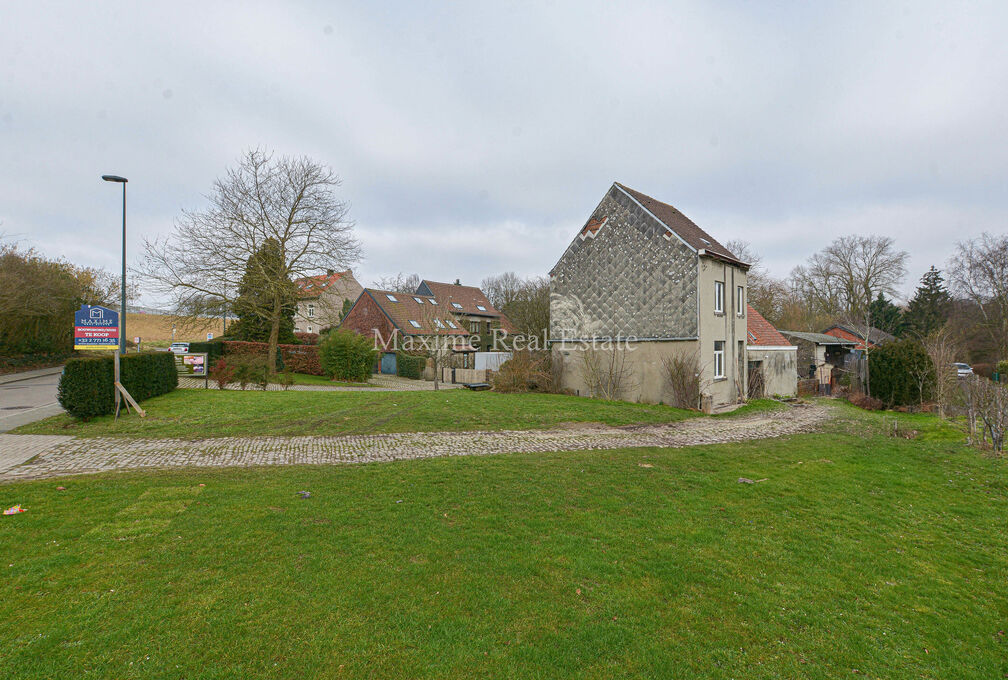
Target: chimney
[(458, 282), (329, 272)]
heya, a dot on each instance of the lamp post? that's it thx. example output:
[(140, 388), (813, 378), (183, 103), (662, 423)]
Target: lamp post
[(122, 301)]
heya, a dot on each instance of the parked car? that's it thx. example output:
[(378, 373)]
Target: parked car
[(963, 370), (179, 347)]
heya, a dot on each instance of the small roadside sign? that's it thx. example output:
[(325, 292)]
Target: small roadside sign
[(96, 327), (191, 364)]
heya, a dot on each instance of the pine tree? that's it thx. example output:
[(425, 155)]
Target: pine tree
[(261, 288), (929, 308), (886, 316)]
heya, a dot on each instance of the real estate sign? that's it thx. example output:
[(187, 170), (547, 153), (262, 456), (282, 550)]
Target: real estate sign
[(191, 363), (96, 327)]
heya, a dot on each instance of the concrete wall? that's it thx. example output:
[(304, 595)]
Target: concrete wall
[(645, 371), (729, 326), (780, 370)]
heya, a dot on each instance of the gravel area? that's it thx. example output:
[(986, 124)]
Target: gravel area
[(69, 456)]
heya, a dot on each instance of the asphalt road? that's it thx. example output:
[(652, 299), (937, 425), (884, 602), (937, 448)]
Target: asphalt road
[(29, 399)]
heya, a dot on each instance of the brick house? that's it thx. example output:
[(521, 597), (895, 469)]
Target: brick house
[(321, 299), (402, 321), (641, 272), (470, 305)]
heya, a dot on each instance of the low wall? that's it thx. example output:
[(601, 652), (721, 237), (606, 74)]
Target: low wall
[(465, 375)]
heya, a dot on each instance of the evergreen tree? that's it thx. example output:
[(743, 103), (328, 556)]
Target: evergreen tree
[(929, 308), (262, 288), (886, 316)]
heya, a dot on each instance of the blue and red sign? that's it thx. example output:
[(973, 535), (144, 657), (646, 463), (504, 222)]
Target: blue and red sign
[(96, 328)]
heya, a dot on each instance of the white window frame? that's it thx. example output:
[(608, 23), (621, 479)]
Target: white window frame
[(310, 329), (415, 324), (437, 322), (719, 297), (419, 301), (456, 305), (432, 301), (719, 371), (451, 324), (741, 301), (391, 297), (311, 311), (481, 308)]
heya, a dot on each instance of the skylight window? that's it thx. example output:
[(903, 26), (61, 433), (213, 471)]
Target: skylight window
[(419, 300), (456, 305), (451, 324), (481, 308), (391, 297), (414, 323), (432, 301), (437, 322)]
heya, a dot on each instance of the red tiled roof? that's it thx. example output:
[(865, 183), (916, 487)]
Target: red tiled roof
[(687, 230), (409, 307), (314, 285), (761, 332)]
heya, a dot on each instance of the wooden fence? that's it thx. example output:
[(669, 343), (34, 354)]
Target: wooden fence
[(465, 375)]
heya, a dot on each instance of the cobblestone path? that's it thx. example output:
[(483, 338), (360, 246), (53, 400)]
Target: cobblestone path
[(70, 456)]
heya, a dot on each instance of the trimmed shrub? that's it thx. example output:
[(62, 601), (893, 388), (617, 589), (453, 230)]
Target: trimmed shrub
[(410, 365), (86, 387), (896, 369), (345, 355), (250, 370), (294, 358), (214, 349), (307, 338)]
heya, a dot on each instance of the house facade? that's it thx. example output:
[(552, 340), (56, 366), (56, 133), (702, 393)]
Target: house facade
[(772, 359), (640, 283), (472, 308), (321, 299), (406, 322)]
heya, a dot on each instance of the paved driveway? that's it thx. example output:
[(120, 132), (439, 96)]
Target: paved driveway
[(27, 397), (70, 455)]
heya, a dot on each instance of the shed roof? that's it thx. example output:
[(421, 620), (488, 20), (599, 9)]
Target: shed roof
[(761, 332), (818, 338), (876, 336)]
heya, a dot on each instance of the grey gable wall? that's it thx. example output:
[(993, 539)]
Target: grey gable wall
[(629, 280)]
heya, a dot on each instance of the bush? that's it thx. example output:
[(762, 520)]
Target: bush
[(866, 402), (525, 371), (345, 355), (223, 373), (250, 369), (86, 387), (897, 371), (983, 369), (1002, 369), (410, 365)]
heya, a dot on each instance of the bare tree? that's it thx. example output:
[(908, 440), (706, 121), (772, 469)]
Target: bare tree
[(607, 371), (502, 288), (987, 402), (683, 373), (943, 349), (979, 272), (398, 283), (287, 200)]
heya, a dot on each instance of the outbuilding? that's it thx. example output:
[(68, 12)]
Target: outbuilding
[(773, 360)]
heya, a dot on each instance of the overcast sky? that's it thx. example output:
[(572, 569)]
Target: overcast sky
[(476, 138)]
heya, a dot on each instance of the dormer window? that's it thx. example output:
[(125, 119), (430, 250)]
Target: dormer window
[(391, 297)]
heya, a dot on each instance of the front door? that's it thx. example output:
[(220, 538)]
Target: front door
[(388, 363)]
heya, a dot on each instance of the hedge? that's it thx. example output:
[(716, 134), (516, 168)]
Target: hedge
[(345, 355), (86, 387), (410, 365), (214, 349), (293, 358)]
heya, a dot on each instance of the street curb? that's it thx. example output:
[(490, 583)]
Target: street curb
[(28, 375)]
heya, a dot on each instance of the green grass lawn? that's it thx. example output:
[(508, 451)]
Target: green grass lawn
[(219, 413), (305, 379), (860, 556)]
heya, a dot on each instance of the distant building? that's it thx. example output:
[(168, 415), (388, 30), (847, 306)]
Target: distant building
[(471, 306), (321, 299), (856, 333)]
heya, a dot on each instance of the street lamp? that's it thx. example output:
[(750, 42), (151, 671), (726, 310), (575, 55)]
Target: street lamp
[(122, 302)]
